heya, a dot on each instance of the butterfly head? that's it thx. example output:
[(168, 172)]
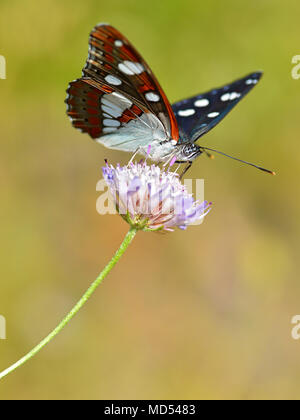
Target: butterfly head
[(188, 152)]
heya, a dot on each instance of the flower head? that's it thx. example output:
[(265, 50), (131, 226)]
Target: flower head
[(149, 198)]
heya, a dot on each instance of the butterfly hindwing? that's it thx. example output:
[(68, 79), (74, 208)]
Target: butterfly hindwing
[(111, 118), (199, 114)]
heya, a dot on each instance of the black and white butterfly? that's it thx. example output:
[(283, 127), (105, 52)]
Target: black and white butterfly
[(120, 104)]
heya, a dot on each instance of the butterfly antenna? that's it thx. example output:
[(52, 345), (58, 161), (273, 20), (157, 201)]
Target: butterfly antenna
[(187, 167), (209, 155), (239, 160)]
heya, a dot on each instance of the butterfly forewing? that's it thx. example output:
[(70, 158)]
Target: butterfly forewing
[(199, 114), (129, 96)]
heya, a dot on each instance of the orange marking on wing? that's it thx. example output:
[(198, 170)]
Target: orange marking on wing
[(99, 35), (126, 116), (107, 89), (145, 88), (97, 86), (125, 49), (109, 58), (130, 114), (73, 113), (95, 44), (136, 110), (173, 122)]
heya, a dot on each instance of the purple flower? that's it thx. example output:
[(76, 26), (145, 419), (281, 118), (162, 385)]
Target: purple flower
[(152, 199)]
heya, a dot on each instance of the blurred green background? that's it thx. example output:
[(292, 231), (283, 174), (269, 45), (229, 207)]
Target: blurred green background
[(204, 313)]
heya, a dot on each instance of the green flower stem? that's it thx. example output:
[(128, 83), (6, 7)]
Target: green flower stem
[(127, 240)]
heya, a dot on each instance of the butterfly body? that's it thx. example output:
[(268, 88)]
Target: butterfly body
[(120, 104)]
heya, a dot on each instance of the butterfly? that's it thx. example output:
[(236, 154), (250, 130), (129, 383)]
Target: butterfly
[(120, 104)]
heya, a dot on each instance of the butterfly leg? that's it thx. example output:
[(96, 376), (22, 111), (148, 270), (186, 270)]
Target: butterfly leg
[(171, 159), (177, 169), (187, 167), (134, 155)]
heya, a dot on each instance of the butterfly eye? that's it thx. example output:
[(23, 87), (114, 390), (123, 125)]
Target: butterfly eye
[(191, 149)]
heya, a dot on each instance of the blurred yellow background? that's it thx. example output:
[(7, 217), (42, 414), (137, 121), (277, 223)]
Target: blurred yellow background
[(204, 313)]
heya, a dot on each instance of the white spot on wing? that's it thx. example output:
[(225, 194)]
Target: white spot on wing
[(225, 97), (251, 81), (186, 112), (130, 68), (114, 112), (111, 123), (113, 104), (152, 97), (213, 114), (230, 96), (113, 80), (201, 103), (109, 129), (235, 95), (118, 43), (123, 98)]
